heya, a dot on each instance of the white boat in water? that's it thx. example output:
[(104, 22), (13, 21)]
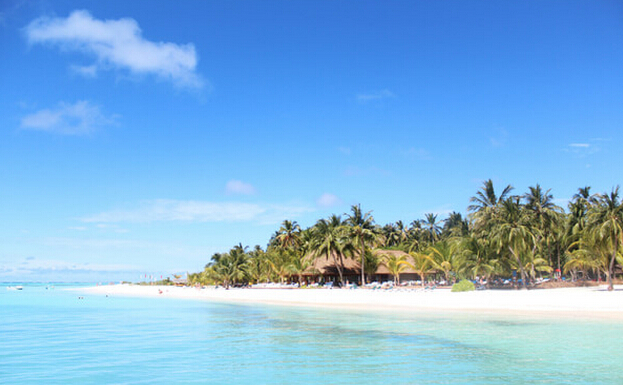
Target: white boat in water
[(14, 287)]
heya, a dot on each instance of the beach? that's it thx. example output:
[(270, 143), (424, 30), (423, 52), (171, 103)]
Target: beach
[(574, 302)]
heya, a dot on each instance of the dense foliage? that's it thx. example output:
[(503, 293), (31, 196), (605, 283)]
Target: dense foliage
[(527, 235), (463, 285)]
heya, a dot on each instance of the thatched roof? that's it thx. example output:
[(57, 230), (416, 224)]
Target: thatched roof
[(326, 266)]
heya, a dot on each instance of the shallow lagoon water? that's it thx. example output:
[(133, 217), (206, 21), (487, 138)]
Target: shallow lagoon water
[(55, 337)]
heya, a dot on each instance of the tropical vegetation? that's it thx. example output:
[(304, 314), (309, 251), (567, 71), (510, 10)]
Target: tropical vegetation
[(523, 238)]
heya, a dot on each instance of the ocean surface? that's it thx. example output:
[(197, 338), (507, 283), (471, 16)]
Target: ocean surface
[(55, 336)]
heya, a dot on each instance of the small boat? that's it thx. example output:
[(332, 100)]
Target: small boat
[(15, 287)]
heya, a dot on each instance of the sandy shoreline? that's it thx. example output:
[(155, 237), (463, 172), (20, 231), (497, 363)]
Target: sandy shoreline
[(586, 302)]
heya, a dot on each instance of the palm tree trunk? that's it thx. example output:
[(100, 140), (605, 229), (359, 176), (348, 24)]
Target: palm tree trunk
[(338, 267), (341, 269), (363, 277), (558, 257), (521, 268), (611, 267)]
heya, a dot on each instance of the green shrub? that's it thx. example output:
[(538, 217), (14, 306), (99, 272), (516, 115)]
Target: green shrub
[(463, 285)]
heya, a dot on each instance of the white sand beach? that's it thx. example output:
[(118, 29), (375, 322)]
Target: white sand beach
[(576, 302)]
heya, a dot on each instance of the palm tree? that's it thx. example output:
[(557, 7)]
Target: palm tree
[(486, 197), (280, 261), (395, 264), (391, 235), (455, 225), (299, 265), (230, 268), (361, 228), (288, 234), (484, 205), (581, 261), (328, 240), (432, 227), (513, 235), (258, 267), (476, 257), (422, 264), (544, 214), (606, 222), (402, 231), (372, 263), (443, 257)]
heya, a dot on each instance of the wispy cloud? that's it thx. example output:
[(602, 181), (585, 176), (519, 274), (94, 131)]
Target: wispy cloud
[(117, 44), (79, 118), (327, 200), (383, 94), (161, 210), (585, 148), (86, 71), (239, 187)]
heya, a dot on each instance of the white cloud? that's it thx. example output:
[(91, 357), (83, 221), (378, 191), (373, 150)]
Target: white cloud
[(86, 71), (327, 200), (161, 210), (79, 118), (383, 94), (239, 187), (118, 44), (583, 149)]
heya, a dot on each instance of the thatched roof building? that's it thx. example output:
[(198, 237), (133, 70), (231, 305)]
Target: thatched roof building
[(324, 268)]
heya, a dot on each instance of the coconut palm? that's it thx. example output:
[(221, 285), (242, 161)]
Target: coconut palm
[(363, 232), (606, 223), (328, 241), (280, 261), (476, 257), (513, 235), (431, 226), (391, 235), (300, 265), (486, 197), (422, 264), (372, 262), (455, 226), (484, 205), (402, 231), (585, 259), (395, 264), (443, 256), (288, 234), (258, 266), (230, 268), (544, 213)]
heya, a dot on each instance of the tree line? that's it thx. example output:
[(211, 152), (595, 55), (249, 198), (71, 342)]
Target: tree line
[(503, 234)]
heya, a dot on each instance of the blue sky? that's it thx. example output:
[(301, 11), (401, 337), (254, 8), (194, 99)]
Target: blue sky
[(141, 137)]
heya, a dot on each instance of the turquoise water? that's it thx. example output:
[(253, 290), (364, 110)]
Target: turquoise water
[(54, 337)]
